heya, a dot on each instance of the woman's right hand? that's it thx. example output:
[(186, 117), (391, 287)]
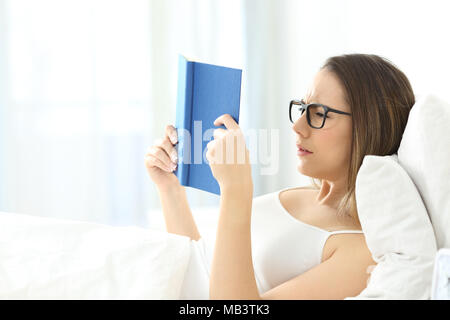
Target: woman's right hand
[(161, 160)]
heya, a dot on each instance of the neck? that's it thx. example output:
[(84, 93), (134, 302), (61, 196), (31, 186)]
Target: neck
[(331, 192)]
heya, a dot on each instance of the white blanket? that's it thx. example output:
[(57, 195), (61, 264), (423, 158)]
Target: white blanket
[(45, 258)]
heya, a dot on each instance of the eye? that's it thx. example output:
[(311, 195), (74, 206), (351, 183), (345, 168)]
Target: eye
[(320, 114)]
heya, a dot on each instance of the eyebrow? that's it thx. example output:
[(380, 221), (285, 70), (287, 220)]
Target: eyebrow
[(325, 105), (309, 100)]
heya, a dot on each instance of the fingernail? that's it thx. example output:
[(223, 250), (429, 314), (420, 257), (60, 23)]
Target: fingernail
[(174, 156), (173, 138)]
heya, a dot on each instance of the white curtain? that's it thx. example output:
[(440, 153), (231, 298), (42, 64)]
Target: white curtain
[(76, 109), (87, 86)]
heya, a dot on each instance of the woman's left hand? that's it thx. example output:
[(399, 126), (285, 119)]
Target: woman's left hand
[(228, 156)]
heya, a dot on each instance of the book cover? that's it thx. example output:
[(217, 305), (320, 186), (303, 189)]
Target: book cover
[(205, 92)]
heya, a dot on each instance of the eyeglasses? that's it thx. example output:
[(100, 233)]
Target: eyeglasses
[(316, 113)]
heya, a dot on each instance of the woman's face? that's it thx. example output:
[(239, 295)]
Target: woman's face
[(331, 145)]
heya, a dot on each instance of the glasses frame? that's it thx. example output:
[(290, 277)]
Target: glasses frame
[(303, 106)]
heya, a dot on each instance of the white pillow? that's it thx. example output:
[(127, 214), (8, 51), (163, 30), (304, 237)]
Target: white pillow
[(47, 258), (397, 229), (440, 288), (424, 153)]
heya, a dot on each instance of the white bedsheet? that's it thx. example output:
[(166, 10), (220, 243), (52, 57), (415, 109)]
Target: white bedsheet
[(46, 258), (196, 282)]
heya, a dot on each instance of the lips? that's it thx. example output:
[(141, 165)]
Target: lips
[(302, 148)]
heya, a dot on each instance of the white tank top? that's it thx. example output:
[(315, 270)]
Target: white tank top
[(282, 247)]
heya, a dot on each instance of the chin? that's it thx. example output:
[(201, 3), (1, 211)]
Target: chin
[(303, 171)]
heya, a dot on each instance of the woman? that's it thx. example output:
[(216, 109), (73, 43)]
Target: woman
[(300, 243)]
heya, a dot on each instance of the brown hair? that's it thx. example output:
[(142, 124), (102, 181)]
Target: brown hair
[(380, 99)]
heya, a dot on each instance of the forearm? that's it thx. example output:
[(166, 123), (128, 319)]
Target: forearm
[(177, 213), (232, 273)]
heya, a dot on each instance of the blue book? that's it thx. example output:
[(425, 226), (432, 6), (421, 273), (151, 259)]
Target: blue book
[(205, 92)]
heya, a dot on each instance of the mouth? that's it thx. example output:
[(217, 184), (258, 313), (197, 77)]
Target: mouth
[(300, 148)]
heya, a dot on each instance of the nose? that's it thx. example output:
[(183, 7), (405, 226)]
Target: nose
[(301, 125)]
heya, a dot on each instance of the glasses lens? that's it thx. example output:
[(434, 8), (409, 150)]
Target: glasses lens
[(296, 112), (316, 115)]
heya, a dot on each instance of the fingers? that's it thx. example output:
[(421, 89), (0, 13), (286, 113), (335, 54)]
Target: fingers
[(152, 161), (227, 121), (172, 133), (160, 154), (229, 144), (210, 151), (218, 133), (167, 146), (163, 153), (215, 151)]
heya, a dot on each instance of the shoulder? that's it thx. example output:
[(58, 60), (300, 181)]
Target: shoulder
[(293, 195), (296, 190), (353, 260), (352, 247), (344, 274)]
